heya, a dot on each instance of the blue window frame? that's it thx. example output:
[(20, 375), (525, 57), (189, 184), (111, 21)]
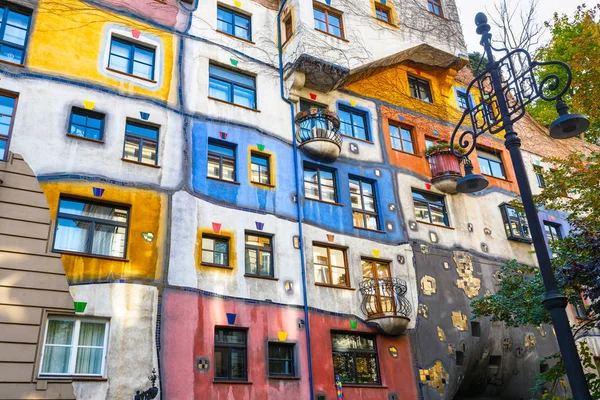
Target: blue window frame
[(141, 143), (132, 58), (234, 23), (8, 104), (232, 87), (14, 32), (86, 124), (353, 123), (462, 99)]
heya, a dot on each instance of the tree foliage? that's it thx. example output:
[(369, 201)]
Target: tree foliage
[(575, 41)]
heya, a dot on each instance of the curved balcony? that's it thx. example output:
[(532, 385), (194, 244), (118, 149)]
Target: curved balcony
[(317, 134), (385, 304), (445, 170)]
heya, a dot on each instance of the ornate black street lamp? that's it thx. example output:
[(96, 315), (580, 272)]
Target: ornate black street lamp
[(150, 393), (504, 89)]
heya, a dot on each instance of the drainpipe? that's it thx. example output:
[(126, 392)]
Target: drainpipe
[(298, 206)]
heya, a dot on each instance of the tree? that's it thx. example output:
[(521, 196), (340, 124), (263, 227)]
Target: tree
[(517, 29), (475, 64), (575, 41)]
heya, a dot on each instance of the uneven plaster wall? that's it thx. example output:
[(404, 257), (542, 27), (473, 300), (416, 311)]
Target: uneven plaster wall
[(131, 312), (170, 13)]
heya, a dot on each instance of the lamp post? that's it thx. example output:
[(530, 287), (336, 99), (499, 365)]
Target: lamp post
[(505, 88)]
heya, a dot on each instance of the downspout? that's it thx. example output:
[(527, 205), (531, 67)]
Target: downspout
[(298, 205)]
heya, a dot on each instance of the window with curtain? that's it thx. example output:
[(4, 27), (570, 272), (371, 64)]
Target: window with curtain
[(86, 124), (355, 358), (221, 161), (230, 354), (331, 265), (7, 114), (141, 143), (234, 23), (231, 87), (91, 228), (281, 359), (14, 28), (261, 168), (419, 89), (402, 139), (131, 58), (364, 204), (515, 224), (259, 255), (319, 184), (491, 164), (430, 208), (353, 123), (74, 346)]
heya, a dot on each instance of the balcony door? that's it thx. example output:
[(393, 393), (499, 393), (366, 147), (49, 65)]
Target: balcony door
[(380, 298)]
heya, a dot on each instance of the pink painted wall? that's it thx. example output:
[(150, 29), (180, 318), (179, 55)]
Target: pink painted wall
[(187, 332), (167, 12)]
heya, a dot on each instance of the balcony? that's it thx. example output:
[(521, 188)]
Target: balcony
[(317, 134), (445, 170), (384, 303)]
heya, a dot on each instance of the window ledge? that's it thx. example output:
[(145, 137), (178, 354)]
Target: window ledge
[(369, 230), (438, 225), (269, 278), (205, 264), (74, 253), (70, 378), (116, 71), (406, 152), (235, 37), (222, 180), (323, 201), (497, 178), (233, 104), (85, 138), (359, 139), (228, 382), (12, 63), (89, 378), (389, 24), (333, 36), (334, 286), (140, 163), (359, 385), (520, 240), (264, 185), (287, 378)]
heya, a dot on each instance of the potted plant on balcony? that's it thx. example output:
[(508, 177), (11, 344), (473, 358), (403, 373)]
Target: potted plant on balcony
[(445, 166)]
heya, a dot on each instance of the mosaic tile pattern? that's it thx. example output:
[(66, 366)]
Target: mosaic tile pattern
[(541, 330), (423, 310), (459, 321), (466, 281), (436, 377), (530, 341), (441, 335), (507, 343), (428, 285), (451, 351)]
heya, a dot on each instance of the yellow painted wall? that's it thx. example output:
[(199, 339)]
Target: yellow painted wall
[(69, 38), (148, 213)]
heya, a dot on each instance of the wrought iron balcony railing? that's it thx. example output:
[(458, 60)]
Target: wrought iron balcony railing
[(384, 297), (317, 134)]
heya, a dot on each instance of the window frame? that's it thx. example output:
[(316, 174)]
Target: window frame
[(74, 346), (327, 10), (265, 157), (355, 113), (538, 170), (461, 94), (557, 227), (363, 211), (380, 8), (87, 114), (330, 247), (141, 140), (429, 203), (292, 360), (6, 7), (92, 220), (318, 170), (229, 346), (221, 157), (258, 249), (415, 85), (354, 352), (521, 220), (215, 238), (401, 127), (481, 154), (235, 13), (133, 45), (8, 136), (431, 4), (288, 27), (231, 86)]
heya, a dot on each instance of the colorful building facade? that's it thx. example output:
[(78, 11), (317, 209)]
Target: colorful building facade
[(239, 196)]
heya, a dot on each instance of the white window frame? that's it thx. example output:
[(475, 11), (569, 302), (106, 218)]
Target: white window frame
[(74, 345)]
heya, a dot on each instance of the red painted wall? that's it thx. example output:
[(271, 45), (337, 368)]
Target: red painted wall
[(164, 12)]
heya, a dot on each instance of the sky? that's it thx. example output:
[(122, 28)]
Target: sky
[(469, 8)]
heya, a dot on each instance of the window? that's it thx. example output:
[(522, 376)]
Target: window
[(288, 27), (430, 208), (462, 99), (353, 123), (552, 231), (331, 265), (141, 143), (7, 113), (131, 58), (355, 358), (281, 359), (430, 142), (221, 161), (382, 13), (74, 346), (381, 300), (401, 139), (475, 329), (491, 164), (14, 28), (234, 23), (259, 255), (320, 184), (435, 6), (261, 168), (232, 87), (515, 224), (539, 175), (215, 251), (419, 89), (91, 228), (86, 123), (306, 105), (364, 204), (581, 310), (328, 21), (230, 354)]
